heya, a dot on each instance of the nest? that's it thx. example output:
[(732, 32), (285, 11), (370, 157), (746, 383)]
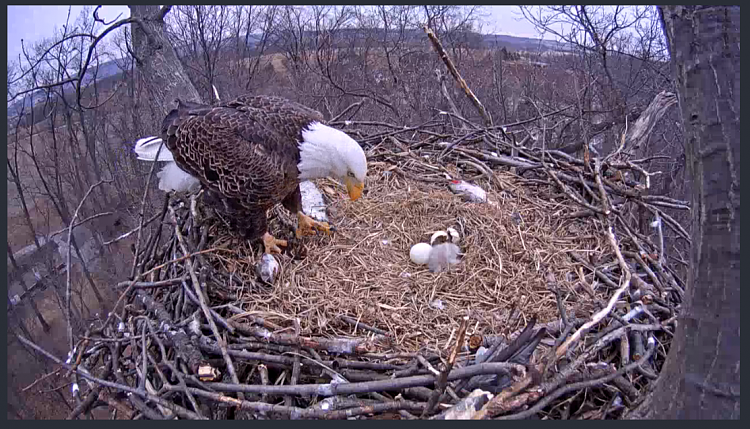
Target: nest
[(514, 252), (556, 294)]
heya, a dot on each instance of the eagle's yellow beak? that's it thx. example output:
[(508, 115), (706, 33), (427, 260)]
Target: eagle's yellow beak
[(354, 188)]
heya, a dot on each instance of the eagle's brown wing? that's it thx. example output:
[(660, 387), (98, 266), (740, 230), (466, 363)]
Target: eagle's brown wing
[(245, 149), (277, 108)]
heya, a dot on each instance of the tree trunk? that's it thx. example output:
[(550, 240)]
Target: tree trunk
[(701, 377), (157, 61)]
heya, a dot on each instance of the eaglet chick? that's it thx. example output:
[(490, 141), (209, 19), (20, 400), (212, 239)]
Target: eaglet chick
[(442, 257)]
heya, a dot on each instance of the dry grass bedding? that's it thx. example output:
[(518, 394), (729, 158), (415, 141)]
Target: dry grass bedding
[(514, 250)]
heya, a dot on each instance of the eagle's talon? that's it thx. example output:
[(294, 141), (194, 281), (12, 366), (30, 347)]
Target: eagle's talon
[(271, 244), (309, 226)]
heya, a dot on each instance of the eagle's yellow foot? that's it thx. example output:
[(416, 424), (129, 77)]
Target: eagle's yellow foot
[(271, 244), (308, 226)]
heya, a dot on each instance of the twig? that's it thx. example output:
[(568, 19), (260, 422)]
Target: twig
[(152, 285), (179, 376), (182, 412), (452, 69), (623, 267), (177, 336), (263, 372), (295, 412), (425, 363), (129, 233), (55, 372), (204, 306), (596, 318), (206, 344), (442, 380), (499, 404), (369, 386), (90, 218), (216, 316), (581, 385), (343, 112), (85, 405), (183, 258), (661, 257), (68, 262), (358, 324), (141, 212), (333, 345), (294, 379)]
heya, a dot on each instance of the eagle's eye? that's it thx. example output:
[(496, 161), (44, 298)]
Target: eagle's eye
[(350, 174)]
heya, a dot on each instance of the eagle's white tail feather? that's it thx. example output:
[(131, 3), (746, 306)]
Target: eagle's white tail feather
[(173, 178), (146, 149)]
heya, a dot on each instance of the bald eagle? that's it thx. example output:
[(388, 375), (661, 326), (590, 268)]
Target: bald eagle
[(251, 153)]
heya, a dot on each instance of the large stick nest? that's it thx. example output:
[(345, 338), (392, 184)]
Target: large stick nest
[(557, 293)]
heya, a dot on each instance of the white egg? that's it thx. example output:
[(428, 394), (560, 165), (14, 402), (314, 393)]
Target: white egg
[(420, 253)]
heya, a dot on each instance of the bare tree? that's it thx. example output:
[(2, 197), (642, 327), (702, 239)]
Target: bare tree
[(616, 51), (250, 27), (199, 34)]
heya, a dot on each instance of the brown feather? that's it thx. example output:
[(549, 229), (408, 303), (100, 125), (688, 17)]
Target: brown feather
[(245, 152)]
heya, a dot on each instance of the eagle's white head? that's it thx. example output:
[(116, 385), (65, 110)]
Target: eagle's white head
[(328, 152)]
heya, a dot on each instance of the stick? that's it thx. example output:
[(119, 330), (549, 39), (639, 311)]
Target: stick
[(442, 380), (452, 69), (129, 233), (182, 412), (295, 412), (581, 385), (333, 389), (623, 267), (67, 257), (333, 345), (500, 402), (153, 285), (204, 306), (358, 324), (90, 218), (177, 336)]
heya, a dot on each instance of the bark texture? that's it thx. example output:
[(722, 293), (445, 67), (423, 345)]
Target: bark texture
[(157, 61), (701, 378)]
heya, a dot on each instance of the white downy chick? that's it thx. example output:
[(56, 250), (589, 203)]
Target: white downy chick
[(442, 257)]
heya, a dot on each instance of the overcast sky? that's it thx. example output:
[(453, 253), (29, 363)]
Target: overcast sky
[(33, 23)]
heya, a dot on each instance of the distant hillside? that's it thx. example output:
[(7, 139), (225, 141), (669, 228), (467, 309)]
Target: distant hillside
[(110, 70), (105, 70), (522, 43)]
